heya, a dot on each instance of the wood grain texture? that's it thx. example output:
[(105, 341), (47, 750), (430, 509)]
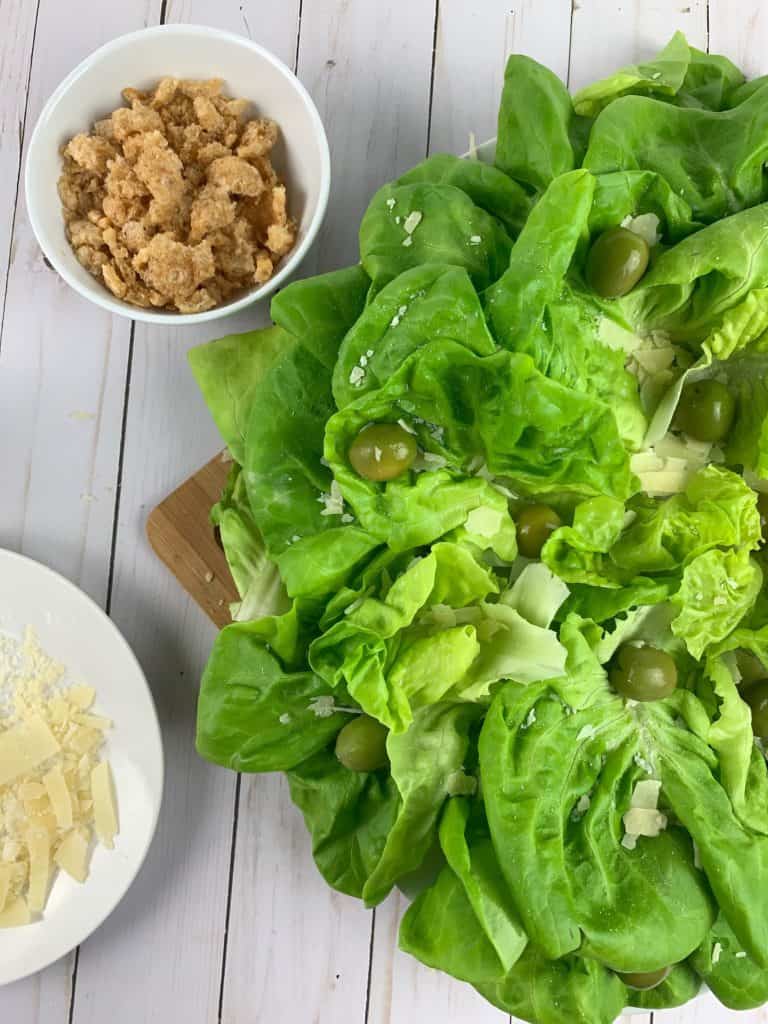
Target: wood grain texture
[(368, 68), (62, 379), (182, 537)]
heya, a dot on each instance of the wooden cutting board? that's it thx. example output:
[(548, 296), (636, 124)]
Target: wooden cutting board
[(182, 536)]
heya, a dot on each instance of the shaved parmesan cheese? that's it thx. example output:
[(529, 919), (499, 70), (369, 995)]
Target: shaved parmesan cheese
[(72, 855), (5, 884), (646, 225), (49, 761), (642, 821), (484, 521), (39, 847), (646, 794), (412, 221), (717, 952), (58, 794), (15, 914), (104, 813), (24, 747)]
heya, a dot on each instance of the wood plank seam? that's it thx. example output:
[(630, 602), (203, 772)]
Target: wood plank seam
[(22, 135)]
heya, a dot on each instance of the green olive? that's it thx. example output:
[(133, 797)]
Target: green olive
[(762, 508), (756, 695), (643, 673), (535, 525), (616, 262), (361, 745), (382, 451), (643, 980), (705, 411)]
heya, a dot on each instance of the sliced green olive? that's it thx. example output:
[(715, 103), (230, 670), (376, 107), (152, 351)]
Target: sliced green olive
[(762, 508), (616, 262), (382, 451), (705, 411), (643, 673), (535, 525), (361, 745), (643, 980), (756, 695)]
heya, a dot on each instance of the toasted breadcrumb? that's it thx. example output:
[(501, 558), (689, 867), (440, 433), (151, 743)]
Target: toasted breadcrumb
[(172, 201)]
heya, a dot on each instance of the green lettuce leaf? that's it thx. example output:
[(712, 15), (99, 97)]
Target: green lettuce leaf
[(487, 186), (422, 760), (421, 305), (256, 576), (252, 714), (229, 372), (320, 310), (715, 164), (663, 76), (717, 590), (349, 816), (574, 989), (537, 135), (682, 985), (408, 225), (734, 977)]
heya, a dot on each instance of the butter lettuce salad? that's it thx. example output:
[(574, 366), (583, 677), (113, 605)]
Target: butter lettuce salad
[(496, 516)]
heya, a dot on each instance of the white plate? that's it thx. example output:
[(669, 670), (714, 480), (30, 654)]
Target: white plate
[(75, 631)]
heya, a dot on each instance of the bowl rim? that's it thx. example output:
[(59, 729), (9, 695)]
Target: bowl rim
[(291, 262)]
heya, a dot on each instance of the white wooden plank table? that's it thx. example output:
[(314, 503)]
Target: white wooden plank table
[(99, 419)]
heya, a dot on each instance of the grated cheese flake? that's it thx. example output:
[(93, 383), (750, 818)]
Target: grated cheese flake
[(58, 794), (15, 914)]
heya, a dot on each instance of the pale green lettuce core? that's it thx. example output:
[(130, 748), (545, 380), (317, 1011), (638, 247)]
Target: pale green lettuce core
[(551, 832)]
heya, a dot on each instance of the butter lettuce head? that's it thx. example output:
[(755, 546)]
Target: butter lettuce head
[(551, 834)]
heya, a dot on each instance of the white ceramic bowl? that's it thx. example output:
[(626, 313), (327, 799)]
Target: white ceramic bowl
[(140, 59)]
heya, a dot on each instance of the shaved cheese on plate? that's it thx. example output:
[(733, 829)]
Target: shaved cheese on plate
[(5, 884), (15, 914), (54, 788), (24, 746), (104, 813), (72, 855), (39, 846), (58, 794), (646, 794)]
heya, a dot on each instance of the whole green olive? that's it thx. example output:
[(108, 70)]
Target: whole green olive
[(762, 508), (643, 980), (361, 745), (643, 673), (616, 262), (535, 525), (705, 411), (756, 695), (382, 451)]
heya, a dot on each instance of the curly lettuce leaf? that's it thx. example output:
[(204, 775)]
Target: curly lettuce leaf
[(717, 591)]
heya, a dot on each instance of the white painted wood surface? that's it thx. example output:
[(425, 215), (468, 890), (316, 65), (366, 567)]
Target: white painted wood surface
[(98, 420)]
